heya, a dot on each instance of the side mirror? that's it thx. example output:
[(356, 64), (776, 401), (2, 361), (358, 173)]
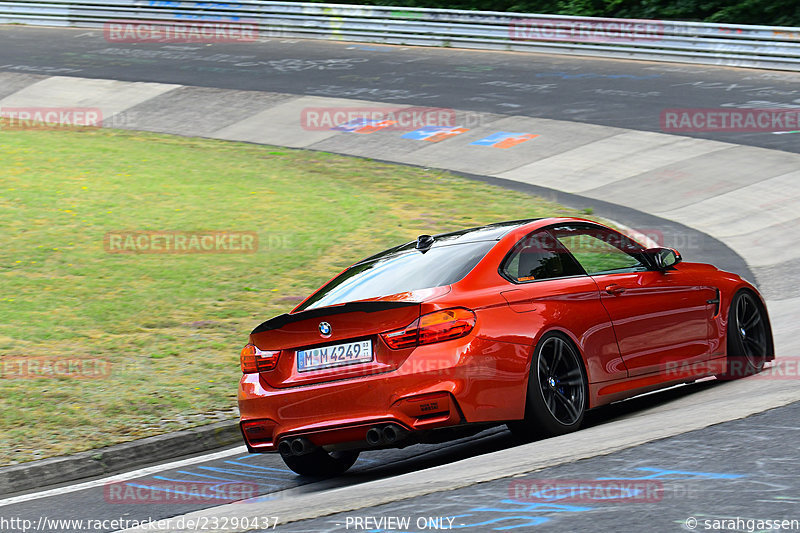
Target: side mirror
[(664, 258)]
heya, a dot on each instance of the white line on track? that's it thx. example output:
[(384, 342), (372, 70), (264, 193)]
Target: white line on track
[(133, 474)]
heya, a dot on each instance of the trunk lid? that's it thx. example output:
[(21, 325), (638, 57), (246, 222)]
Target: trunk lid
[(328, 339)]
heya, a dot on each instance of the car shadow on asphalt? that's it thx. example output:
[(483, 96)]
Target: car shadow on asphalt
[(381, 464)]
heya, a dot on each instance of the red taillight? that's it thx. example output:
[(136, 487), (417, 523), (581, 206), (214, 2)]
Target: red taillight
[(402, 338), (254, 360), (445, 325), (434, 327)]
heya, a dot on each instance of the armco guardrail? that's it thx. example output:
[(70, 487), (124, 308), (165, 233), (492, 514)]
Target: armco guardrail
[(688, 42)]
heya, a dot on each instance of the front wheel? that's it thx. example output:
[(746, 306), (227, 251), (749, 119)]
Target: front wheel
[(320, 463), (556, 399), (748, 336)]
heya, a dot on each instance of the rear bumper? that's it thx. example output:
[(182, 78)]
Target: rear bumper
[(440, 385)]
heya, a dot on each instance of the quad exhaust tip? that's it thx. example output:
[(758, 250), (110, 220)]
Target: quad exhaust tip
[(285, 448), (298, 446), (374, 436), (388, 434)]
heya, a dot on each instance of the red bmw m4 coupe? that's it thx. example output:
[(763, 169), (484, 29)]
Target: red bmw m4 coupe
[(526, 323)]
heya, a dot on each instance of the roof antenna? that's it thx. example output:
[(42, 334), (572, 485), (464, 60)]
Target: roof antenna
[(424, 243)]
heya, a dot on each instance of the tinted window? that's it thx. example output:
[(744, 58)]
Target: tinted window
[(539, 256), (399, 270), (601, 251), (491, 232)]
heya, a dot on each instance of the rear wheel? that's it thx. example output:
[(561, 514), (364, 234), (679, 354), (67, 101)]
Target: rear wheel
[(320, 463), (748, 335), (556, 399)]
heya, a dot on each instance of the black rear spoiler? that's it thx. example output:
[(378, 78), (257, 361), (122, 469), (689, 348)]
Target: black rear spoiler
[(352, 307)]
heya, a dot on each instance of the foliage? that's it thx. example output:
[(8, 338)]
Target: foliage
[(769, 12)]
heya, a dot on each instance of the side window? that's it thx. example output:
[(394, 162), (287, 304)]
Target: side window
[(600, 251), (539, 256)]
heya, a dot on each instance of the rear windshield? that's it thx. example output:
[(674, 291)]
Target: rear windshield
[(400, 270)]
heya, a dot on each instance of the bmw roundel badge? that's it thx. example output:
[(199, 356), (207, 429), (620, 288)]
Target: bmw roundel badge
[(325, 329)]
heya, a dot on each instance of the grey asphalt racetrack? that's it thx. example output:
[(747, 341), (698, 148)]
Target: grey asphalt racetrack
[(624, 94), (743, 463)]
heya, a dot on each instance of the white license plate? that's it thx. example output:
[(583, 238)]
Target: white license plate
[(336, 355)]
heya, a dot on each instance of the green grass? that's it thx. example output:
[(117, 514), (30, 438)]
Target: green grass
[(171, 326)]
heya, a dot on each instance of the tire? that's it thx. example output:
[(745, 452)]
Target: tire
[(748, 337), (556, 400), (320, 463)]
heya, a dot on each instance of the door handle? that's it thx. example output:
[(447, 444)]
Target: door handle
[(615, 289)]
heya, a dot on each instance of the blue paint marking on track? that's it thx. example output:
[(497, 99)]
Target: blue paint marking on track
[(259, 467), (572, 491), (527, 513), (214, 475), (242, 473), (214, 478), (363, 125), (527, 521), (428, 133), (249, 456), (195, 474), (424, 133), (504, 139), (661, 473)]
